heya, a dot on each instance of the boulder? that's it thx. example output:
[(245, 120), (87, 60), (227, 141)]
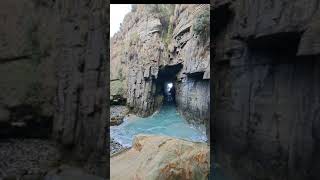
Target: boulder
[(117, 120), (161, 157)]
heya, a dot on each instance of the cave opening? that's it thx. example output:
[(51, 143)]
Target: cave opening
[(166, 83)]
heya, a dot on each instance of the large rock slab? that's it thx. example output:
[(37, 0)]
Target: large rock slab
[(161, 157)]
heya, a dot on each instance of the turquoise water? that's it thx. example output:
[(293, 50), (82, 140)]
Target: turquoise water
[(166, 122)]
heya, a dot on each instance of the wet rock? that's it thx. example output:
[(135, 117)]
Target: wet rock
[(117, 113), (117, 120), (160, 157), (147, 52), (115, 147)]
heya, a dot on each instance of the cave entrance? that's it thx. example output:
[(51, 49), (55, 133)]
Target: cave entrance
[(166, 83), (169, 92)]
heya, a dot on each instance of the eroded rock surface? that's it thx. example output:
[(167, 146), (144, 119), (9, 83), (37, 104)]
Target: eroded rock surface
[(117, 114), (27, 79), (80, 114), (267, 97), (53, 72), (158, 44), (161, 157)]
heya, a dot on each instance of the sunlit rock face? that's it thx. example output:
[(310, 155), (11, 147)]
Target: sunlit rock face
[(151, 49), (161, 157), (267, 92)]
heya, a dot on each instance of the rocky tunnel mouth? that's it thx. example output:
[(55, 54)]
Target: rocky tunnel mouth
[(166, 83)]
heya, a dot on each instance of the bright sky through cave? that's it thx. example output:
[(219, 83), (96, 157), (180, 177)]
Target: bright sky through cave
[(170, 85), (117, 13)]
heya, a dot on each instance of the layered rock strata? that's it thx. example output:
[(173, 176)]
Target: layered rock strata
[(161, 157), (53, 72), (267, 97), (158, 44)]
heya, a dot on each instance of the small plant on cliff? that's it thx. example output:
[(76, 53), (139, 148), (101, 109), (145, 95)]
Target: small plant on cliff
[(166, 17), (151, 8), (134, 38), (168, 34), (201, 26)]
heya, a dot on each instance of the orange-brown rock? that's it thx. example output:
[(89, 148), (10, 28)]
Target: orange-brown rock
[(161, 157)]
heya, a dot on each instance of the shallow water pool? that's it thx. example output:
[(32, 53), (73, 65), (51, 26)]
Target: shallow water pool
[(166, 122)]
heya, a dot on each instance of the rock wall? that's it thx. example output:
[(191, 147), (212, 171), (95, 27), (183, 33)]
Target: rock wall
[(193, 81), (159, 44), (267, 100), (53, 69), (80, 114), (27, 80), (141, 48)]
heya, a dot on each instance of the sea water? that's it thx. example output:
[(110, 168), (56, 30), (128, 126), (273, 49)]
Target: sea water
[(166, 122)]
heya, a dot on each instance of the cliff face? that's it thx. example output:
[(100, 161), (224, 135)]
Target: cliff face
[(267, 98), (159, 44), (27, 79), (80, 114), (53, 73), (193, 52)]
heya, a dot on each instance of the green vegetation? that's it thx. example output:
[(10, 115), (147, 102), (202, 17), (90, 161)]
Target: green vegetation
[(134, 38), (116, 87), (168, 35), (165, 13), (201, 26)]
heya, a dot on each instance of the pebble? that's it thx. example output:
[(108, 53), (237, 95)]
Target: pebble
[(115, 147), (27, 156)]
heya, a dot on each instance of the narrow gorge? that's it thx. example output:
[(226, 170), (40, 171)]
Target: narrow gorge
[(160, 72), (158, 45)]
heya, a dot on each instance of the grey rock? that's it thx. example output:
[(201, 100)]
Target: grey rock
[(53, 69), (266, 104), (149, 61)]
